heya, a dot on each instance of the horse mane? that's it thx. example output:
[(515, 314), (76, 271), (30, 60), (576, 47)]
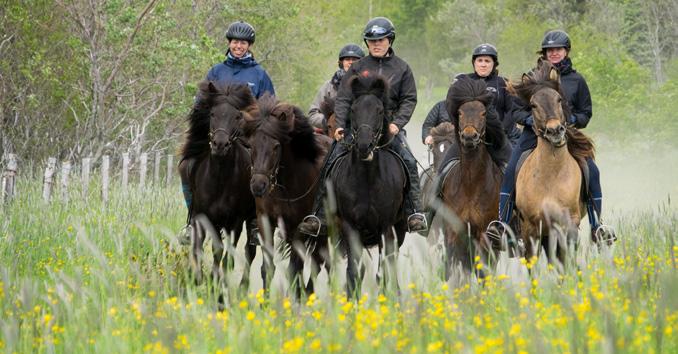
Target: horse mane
[(463, 90), (327, 106), (442, 131), (285, 123), (377, 85), (579, 144), (211, 94)]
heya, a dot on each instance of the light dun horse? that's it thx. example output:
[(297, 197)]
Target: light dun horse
[(549, 184)]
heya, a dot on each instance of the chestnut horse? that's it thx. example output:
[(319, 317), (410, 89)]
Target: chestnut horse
[(549, 199), (219, 177), (471, 187), (286, 161)]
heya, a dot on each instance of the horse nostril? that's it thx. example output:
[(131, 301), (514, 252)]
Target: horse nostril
[(561, 129)]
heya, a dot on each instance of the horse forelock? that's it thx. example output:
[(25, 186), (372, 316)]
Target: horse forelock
[(465, 90), (376, 85), (209, 95), (295, 130), (537, 80)]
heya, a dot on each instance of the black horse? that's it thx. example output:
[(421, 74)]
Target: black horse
[(217, 164), (286, 161), (369, 182)]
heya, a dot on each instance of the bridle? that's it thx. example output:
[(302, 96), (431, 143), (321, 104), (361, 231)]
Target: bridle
[(376, 137), (271, 174)]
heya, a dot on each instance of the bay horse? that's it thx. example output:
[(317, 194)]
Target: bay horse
[(219, 173), (286, 159), (443, 138), (471, 187), (369, 182), (549, 199)]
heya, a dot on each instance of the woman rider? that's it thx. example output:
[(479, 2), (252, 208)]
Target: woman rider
[(347, 55), (379, 35), (239, 67), (555, 47)]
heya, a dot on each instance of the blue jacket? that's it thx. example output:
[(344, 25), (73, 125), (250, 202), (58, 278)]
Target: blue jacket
[(245, 70)]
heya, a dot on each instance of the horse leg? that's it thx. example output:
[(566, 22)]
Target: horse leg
[(294, 270), (197, 238), (267, 266), (389, 261), (355, 250)]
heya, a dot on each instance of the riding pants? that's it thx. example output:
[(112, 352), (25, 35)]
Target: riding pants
[(400, 147)]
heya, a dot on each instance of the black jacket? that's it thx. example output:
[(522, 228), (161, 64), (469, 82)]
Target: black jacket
[(402, 89), (577, 94), (437, 115)]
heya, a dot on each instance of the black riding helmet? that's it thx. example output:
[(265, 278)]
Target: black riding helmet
[(486, 49), (240, 30), (378, 28), (351, 51), (555, 39)]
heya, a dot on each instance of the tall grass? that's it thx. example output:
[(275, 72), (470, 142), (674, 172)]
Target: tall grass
[(82, 276)]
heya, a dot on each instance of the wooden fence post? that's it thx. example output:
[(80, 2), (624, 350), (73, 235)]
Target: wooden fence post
[(9, 178), (48, 179), (85, 175), (170, 168), (143, 163), (156, 167), (105, 165), (125, 170), (65, 172)]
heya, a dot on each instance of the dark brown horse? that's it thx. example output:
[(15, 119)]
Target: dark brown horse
[(471, 187), (220, 174), (286, 161), (443, 138), (369, 183), (549, 183)]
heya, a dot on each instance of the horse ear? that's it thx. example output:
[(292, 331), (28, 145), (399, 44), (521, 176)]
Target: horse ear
[(525, 78), (554, 75), (379, 86), (354, 84), (211, 88)]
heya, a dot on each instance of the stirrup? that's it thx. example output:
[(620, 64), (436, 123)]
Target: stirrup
[(184, 236), (604, 233), (423, 218), (496, 231), (307, 219)]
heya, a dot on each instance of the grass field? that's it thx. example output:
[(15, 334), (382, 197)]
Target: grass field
[(82, 277)]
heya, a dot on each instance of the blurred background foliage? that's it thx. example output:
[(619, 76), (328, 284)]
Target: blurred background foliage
[(83, 78)]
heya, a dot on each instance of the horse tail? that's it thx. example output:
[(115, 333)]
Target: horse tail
[(579, 145)]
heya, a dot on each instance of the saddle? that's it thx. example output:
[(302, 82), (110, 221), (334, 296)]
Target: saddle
[(582, 166)]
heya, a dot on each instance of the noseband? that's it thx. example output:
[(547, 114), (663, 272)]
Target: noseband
[(235, 136)]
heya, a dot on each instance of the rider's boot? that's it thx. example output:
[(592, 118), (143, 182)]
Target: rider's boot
[(315, 224), (600, 233)]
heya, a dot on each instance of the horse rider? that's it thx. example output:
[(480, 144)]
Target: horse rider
[(379, 35), (239, 67), (555, 47), (347, 55), (438, 114), (485, 60)]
